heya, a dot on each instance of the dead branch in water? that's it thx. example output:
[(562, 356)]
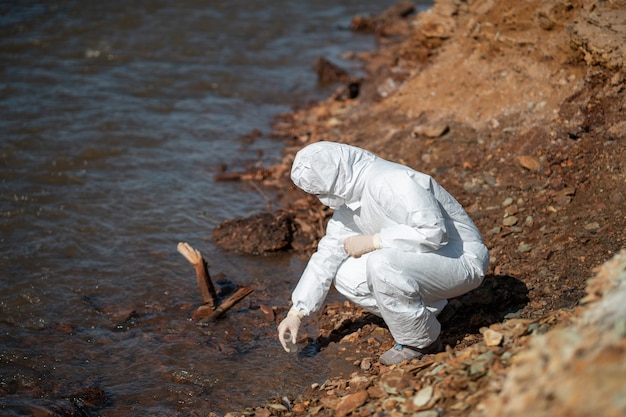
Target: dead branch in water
[(205, 285), (209, 309), (255, 174), (237, 296)]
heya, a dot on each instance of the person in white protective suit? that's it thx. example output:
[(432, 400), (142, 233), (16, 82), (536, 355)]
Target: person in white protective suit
[(398, 245)]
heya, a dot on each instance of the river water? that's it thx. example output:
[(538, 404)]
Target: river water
[(114, 118)]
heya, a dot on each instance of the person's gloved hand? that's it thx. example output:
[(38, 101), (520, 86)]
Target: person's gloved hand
[(361, 244), (288, 329)]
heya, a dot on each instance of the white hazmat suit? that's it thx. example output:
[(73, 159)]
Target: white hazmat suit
[(419, 247)]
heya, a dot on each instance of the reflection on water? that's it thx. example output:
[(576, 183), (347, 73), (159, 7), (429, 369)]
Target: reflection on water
[(115, 116)]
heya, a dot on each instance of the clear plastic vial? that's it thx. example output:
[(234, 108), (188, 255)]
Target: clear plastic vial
[(291, 347)]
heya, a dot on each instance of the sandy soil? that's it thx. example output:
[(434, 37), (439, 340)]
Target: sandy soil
[(517, 108)]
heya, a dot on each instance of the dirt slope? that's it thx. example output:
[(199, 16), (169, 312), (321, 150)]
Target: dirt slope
[(518, 109)]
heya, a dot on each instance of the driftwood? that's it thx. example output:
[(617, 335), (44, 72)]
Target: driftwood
[(254, 174), (228, 303), (210, 309), (205, 285)]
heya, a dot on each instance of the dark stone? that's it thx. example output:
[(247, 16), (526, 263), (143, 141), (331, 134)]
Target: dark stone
[(258, 234)]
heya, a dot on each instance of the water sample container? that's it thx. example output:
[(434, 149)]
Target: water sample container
[(291, 347)]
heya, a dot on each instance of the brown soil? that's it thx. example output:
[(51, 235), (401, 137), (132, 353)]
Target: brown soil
[(517, 109)]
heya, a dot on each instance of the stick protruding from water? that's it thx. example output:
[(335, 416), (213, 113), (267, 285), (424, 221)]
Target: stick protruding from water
[(205, 284)]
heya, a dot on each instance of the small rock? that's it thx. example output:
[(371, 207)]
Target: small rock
[(514, 315), (359, 383), (328, 72), (376, 392), (350, 338), (350, 402), (524, 247), (387, 87), (540, 106), (510, 221), (474, 186), (396, 381), (120, 315), (286, 402), (261, 412), (536, 328), (202, 312), (423, 396), (373, 342), (492, 338), (481, 364), (366, 364), (268, 312), (431, 130), (531, 163), (511, 211), (427, 413), (277, 407), (490, 179)]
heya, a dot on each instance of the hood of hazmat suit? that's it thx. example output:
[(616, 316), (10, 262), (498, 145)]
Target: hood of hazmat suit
[(331, 171), (408, 209)]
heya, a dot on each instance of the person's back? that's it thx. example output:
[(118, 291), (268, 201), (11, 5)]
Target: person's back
[(390, 183)]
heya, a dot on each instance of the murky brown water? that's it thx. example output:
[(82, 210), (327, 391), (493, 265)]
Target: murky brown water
[(114, 116)]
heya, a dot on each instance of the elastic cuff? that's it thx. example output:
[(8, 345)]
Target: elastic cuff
[(376, 241), (294, 312)]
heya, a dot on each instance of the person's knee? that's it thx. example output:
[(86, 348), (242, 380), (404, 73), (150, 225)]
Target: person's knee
[(379, 260), (386, 277), (377, 268)]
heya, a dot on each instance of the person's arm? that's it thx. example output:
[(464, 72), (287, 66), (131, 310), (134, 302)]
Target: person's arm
[(320, 271), (315, 281)]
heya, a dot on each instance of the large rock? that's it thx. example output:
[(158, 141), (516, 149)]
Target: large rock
[(580, 369), (262, 233), (600, 35)]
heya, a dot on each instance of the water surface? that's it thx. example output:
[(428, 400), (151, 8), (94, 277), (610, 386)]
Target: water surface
[(114, 117)]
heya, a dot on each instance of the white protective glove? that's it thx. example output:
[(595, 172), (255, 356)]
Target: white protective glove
[(288, 330), (361, 244)]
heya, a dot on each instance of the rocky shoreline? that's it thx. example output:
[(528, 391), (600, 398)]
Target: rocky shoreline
[(517, 108)]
